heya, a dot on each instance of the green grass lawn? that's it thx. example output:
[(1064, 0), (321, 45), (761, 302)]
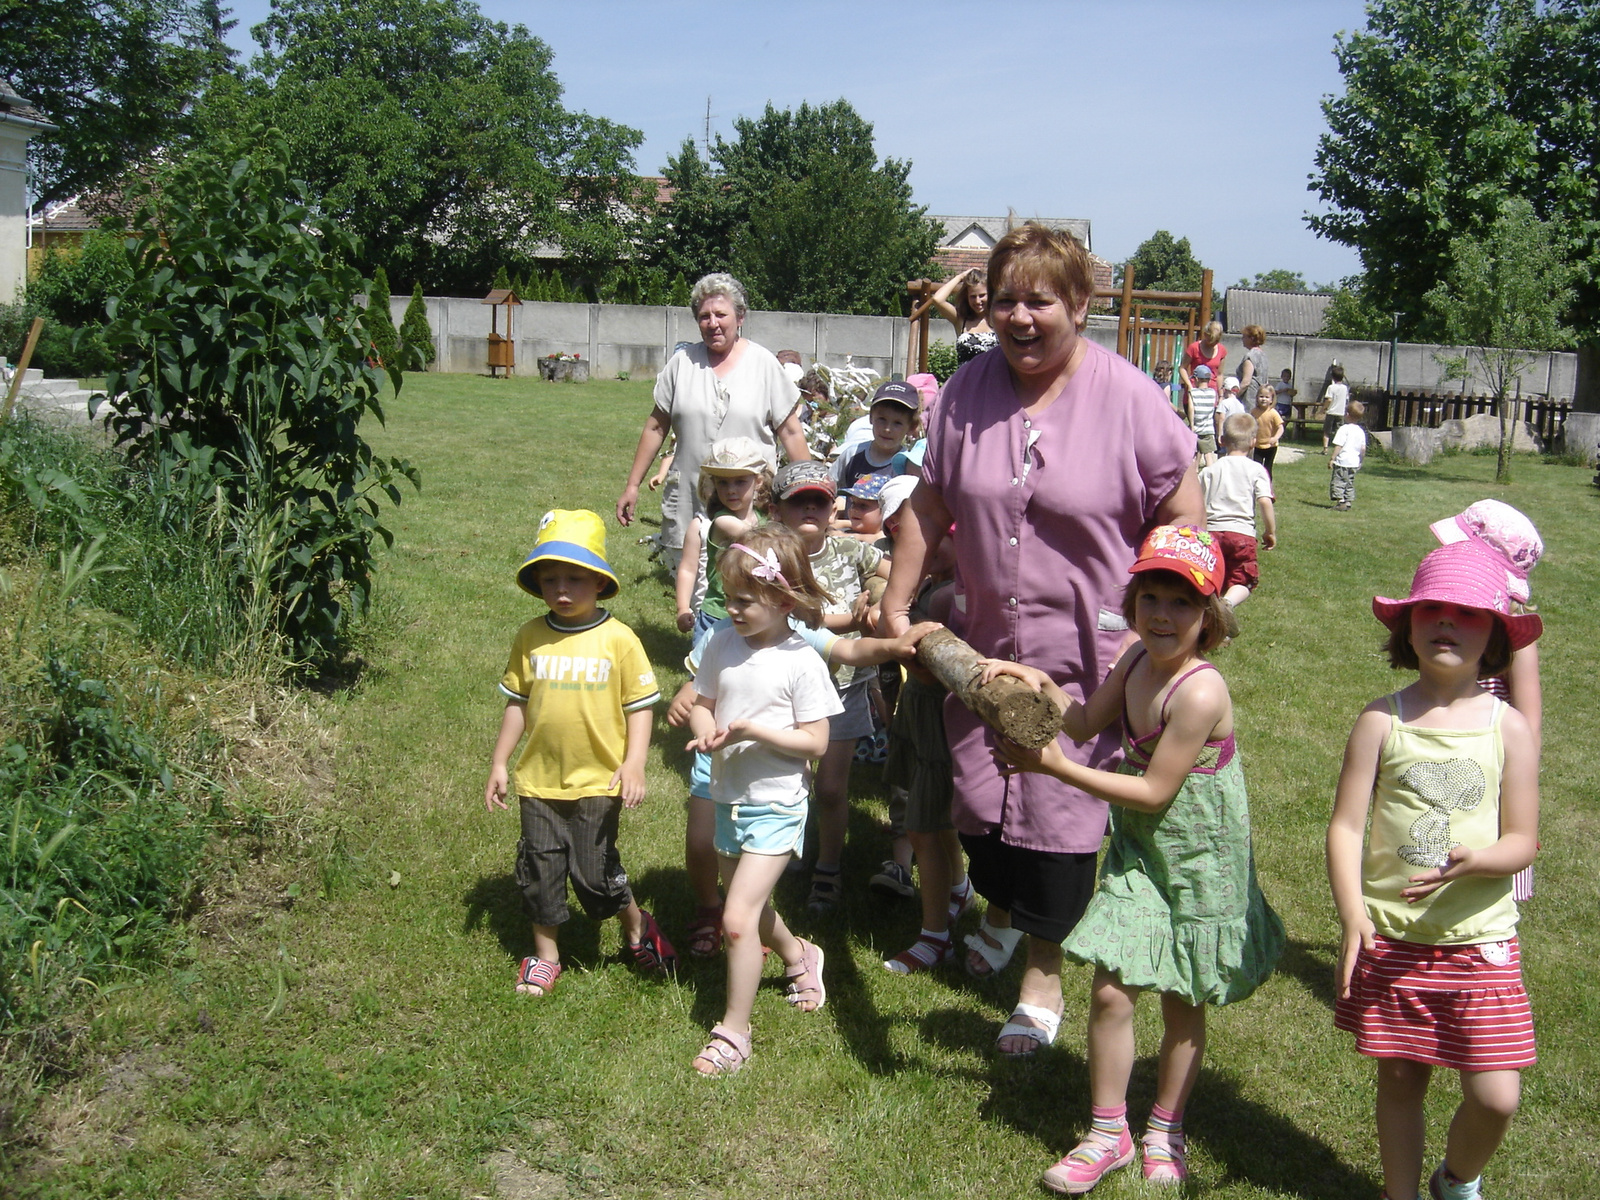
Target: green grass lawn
[(346, 1026)]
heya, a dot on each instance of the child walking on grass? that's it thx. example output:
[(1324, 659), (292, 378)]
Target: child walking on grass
[(1177, 908), (1349, 452), (735, 485), (762, 709), (579, 684), (1429, 971)]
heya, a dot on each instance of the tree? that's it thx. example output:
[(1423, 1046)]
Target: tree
[(1502, 298), (117, 76), (416, 335), (1351, 315), (244, 379), (800, 207), (1277, 280), (1450, 108), (1163, 263), (438, 137), (382, 337)]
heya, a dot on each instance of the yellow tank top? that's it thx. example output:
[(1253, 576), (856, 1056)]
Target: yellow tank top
[(1437, 788)]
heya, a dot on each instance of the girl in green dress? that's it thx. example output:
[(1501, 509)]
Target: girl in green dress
[(1177, 909)]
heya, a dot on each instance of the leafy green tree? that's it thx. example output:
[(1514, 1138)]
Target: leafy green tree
[(416, 335), (1277, 280), (800, 207), (74, 285), (118, 77), (1502, 297), (244, 376), (382, 336), (1450, 108), (438, 137), (1163, 263), (1352, 315)]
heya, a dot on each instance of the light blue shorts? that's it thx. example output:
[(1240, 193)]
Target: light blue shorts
[(700, 776), (760, 829)]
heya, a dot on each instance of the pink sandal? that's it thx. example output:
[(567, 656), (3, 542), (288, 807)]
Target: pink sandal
[(806, 991), (538, 973), (725, 1054)]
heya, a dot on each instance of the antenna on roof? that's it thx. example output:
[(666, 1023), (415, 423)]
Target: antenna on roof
[(708, 129)]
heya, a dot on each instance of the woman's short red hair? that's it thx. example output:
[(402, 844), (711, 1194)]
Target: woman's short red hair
[(1051, 258)]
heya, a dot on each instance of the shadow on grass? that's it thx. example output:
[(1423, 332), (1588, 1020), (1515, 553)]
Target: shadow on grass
[(495, 901), (1312, 965)]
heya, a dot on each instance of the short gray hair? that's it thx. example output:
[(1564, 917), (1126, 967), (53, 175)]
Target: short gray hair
[(718, 283)]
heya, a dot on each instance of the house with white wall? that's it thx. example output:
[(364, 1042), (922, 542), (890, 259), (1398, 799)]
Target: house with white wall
[(19, 121)]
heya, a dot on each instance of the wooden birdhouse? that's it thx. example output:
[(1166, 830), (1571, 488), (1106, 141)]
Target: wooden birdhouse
[(502, 350)]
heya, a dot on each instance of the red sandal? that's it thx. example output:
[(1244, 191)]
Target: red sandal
[(538, 973), (705, 932)]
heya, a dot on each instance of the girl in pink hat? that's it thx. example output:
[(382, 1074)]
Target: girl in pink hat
[(1429, 973)]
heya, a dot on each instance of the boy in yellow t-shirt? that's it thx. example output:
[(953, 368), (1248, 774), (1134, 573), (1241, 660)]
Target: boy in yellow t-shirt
[(579, 682)]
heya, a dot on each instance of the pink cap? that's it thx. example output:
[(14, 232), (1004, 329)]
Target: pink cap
[(1467, 574), (1504, 531)]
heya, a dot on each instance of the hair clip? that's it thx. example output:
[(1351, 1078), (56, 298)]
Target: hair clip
[(766, 565)]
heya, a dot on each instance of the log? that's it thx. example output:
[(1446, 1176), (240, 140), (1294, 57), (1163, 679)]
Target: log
[(1005, 704)]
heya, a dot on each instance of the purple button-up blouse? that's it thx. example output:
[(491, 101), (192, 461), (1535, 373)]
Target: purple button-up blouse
[(1049, 512)]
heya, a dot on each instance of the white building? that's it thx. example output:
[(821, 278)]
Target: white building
[(19, 121)]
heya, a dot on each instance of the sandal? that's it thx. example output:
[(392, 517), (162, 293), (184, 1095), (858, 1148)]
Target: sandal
[(806, 991), (1042, 1034), (826, 892), (725, 1054), (538, 973), (705, 931), (961, 901), (995, 957), (652, 952), (925, 954)]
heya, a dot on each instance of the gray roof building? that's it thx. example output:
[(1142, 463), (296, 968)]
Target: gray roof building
[(1297, 314)]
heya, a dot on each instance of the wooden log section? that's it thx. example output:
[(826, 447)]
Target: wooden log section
[(1005, 704)]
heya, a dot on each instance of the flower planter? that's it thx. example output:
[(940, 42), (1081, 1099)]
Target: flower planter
[(558, 370)]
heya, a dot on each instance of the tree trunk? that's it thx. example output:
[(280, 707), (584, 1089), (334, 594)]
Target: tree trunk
[(1508, 428), (1007, 705)]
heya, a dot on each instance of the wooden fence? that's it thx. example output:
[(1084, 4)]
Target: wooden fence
[(1430, 408)]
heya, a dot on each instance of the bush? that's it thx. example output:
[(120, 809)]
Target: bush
[(416, 335), (245, 379), (75, 285), (382, 337), (941, 360)]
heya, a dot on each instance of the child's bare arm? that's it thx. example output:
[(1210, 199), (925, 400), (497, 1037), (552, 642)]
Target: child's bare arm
[(1527, 695), (1347, 834), (729, 527), (806, 741), (1519, 817), (682, 702), (512, 722), (630, 775), (688, 573), (1269, 523), (869, 652)]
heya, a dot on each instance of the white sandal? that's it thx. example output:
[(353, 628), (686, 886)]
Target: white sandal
[(1043, 1034), (997, 957)]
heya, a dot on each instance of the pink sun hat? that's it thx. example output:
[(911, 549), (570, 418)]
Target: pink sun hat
[(1467, 574), (1502, 530)]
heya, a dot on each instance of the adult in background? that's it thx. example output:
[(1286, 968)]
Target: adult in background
[(969, 312), (725, 387), (1052, 459), (1208, 351), (1253, 370)]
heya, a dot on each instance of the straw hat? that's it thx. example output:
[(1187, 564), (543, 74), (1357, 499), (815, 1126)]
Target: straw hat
[(1467, 574), (575, 536)]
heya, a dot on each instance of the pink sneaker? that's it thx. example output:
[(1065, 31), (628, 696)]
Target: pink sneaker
[(1090, 1161), (1163, 1157)]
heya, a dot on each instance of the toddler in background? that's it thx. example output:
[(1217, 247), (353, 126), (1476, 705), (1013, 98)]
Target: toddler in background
[(864, 512), (1334, 399), (1429, 971), (1269, 430), (735, 485), (1235, 487), (579, 683), (1202, 413), (1283, 394), (1349, 452), (1177, 909)]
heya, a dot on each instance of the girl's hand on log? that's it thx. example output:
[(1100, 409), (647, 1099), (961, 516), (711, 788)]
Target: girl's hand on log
[(1049, 759), (904, 647), (993, 668)]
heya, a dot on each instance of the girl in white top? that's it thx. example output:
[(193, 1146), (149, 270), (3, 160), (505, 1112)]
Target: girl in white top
[(761, 710)]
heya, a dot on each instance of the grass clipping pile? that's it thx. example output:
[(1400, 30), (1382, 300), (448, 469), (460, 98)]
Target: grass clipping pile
[(1005, 704)]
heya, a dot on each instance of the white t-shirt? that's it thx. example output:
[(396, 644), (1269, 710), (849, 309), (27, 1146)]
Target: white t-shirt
[(780, 686), (1336, 397), (1350, 442), (1232, 485), (1229, 406)]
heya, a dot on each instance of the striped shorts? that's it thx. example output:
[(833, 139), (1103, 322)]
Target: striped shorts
[(1450, 1006)]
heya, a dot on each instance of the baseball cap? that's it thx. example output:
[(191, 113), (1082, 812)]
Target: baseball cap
[(806, 476), (1183, 550), (898, 391), (868, 487), (895, 493), (1201, 372)]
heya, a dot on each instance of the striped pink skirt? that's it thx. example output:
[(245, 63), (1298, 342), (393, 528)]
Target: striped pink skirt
[(1451, 1006)]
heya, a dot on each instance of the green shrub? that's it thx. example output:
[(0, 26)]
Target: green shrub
[(941, 360), (74, 285), (245, 379), (416, 335), (382, 337)]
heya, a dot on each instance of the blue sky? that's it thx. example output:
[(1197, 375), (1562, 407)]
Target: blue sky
[(1198, 118)]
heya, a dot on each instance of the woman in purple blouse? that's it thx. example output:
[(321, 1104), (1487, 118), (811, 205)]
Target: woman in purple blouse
[(1047, 461)]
